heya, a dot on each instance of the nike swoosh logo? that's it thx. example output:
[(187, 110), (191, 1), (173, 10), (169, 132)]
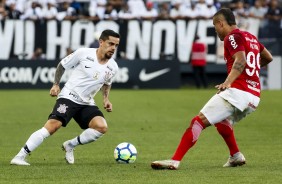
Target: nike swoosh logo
[(149, 76), (87, 67)]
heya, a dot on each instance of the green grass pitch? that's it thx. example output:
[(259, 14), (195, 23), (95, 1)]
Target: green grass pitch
[(152, 120)]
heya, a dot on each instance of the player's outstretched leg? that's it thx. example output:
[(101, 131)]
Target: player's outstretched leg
[(188, 139), (87, 136), (32, 143)]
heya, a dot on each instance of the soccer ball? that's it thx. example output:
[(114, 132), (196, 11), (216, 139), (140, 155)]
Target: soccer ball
[(125, 153)]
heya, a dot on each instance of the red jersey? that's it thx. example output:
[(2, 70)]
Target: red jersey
[(239, 40)]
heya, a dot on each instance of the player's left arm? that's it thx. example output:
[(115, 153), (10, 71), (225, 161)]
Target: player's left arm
[(105, 92), (265, 57), (237, 68)]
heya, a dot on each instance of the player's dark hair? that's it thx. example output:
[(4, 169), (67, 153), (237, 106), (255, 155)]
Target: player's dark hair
[(228, 16), (107, 33)]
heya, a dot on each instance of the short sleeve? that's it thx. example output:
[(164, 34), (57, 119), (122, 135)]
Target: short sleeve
[(113, 73), (110, 80), (72, 59), (234, 43)]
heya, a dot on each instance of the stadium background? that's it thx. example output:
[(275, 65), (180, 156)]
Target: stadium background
[(33, 44)]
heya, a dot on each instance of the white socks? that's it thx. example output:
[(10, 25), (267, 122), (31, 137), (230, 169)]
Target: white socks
[(34, 141), (87, 136)]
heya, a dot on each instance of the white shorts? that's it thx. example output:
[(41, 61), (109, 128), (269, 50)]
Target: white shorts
[(231, 104)]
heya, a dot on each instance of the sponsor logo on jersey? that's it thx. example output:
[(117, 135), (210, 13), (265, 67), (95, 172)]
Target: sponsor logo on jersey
[(253, 88), (110, 68), (96, 75), (62, 108), (232, 41), (254, 46), (253, 83), (87, 67), (73, 95), (149, 76), (90, 58)]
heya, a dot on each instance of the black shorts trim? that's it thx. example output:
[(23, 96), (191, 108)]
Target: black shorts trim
[(59, 118)]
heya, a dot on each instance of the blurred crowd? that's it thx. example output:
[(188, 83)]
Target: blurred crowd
[(133, 9), (268, 12)]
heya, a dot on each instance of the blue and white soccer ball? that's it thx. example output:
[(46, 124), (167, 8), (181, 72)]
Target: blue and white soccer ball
[(125, 153)]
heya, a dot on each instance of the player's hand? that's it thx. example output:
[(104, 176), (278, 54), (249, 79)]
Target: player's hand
[(55, 90), (222, 87), (108, 105)]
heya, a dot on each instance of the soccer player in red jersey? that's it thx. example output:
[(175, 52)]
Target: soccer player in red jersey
[(237, 96)]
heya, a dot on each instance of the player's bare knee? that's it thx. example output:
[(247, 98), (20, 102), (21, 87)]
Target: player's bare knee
[(52, 125), (102, 130), (99, 123), (101, 127), (204, 119)]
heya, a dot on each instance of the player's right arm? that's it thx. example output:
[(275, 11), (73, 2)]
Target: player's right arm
[(55, 90), (265, 57), (235, 45), (237, 68), (68, 62)]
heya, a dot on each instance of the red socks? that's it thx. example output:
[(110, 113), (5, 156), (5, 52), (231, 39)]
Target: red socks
[(226, 131), (189, 138), (192, 134)]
